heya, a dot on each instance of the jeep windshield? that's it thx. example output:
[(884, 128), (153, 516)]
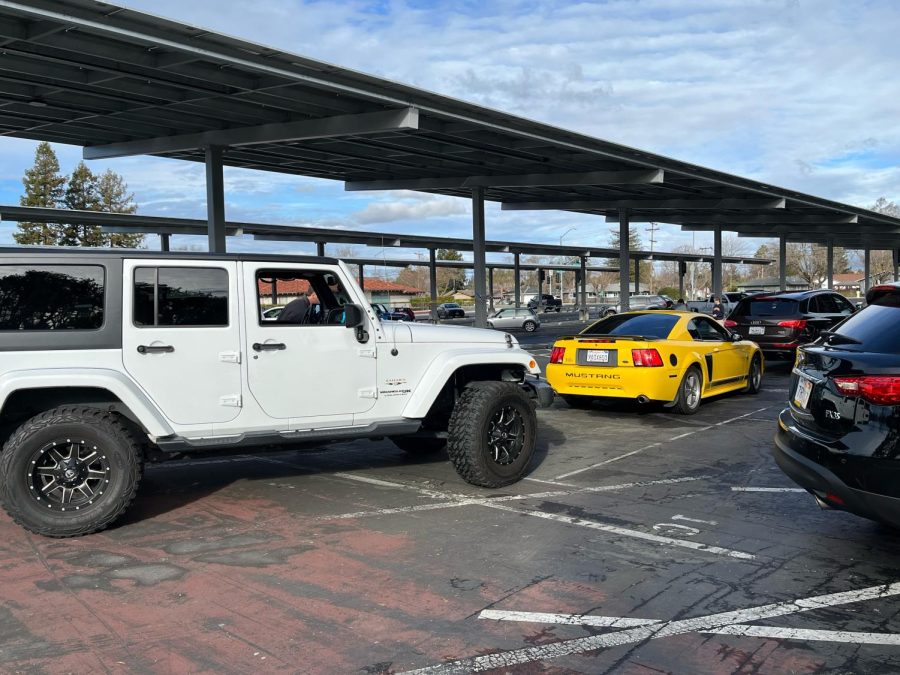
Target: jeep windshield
[(650, 325)]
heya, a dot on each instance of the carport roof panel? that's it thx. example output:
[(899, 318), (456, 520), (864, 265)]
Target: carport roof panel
[(92, 74)]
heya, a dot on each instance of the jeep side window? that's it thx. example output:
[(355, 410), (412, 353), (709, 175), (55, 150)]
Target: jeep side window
[(309, 297), (180, 296), (51, 297)]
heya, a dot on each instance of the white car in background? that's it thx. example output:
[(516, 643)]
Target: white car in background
[(515, 318)]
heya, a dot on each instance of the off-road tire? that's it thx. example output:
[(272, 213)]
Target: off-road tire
[(754, 376), (529, 326), (685, 403), (474, 416), (415, 445), (577, 401), (119, 456)]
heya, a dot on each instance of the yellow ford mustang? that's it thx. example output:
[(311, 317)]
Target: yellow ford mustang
[(675, 357)]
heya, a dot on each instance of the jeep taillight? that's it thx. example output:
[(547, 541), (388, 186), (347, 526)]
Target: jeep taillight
[(646, 357), (557, 354), (877, 389)]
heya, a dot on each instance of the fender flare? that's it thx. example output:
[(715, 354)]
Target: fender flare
[(99, 378), (439, 371)]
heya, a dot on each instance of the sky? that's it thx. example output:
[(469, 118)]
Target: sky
[(798, 93)]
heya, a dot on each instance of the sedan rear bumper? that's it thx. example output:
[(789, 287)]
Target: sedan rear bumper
[(828, 488)]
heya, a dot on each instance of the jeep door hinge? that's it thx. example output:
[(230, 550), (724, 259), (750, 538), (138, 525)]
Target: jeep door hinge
[(230, 357), (368, 392), (367, 352), (232, 401)]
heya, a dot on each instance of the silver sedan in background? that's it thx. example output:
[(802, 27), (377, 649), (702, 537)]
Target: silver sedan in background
[(513, 318)]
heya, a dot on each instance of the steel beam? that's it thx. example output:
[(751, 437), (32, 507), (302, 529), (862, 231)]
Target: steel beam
[(829, 262), (717, 263), (284, 132), (478, 256), (712, 219), (645, 204), (164, 242), (782, 263), (517, 280), (320, 249), (624, 266), (491, 290), (867, 271), (514, 180), (895, 256), (432, 283), (583, 314), (215, 200), (362, 276), (637, 276)]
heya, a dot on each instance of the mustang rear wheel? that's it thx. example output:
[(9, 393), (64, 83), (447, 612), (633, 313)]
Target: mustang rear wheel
[(492, 433), (754, 376), (689, 392)]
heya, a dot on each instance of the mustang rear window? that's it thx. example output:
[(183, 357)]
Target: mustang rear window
[(651, 325), (51, 297)]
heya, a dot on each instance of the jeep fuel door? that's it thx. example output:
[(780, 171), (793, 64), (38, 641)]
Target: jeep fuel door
[(181, 337), (311, 365)]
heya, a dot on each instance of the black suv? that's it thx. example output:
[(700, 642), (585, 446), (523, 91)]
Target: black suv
[(840, 436), (781, 322)]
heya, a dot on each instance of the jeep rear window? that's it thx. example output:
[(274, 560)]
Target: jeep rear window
[(180, 296), (51, 297)]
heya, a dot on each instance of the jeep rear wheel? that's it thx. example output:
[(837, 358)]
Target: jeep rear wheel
[(492, 434), (69, 471)]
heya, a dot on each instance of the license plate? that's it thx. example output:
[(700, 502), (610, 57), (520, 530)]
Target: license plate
[(597, 356), (804, 389), (757, 330)]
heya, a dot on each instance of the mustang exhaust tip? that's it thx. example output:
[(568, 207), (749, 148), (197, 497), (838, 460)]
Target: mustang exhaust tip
[(643, 399)]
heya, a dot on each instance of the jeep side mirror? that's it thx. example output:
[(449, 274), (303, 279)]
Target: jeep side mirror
[(355, 318)]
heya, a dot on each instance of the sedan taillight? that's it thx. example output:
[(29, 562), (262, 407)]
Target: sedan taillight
[(646, 357), (557, 354), (877, 389), (730, 324)]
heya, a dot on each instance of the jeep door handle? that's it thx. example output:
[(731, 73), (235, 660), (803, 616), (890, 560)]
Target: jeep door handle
[(268, 346), (155, 349)]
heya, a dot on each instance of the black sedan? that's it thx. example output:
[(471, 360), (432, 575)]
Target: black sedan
[(781, 322), (450, 310), (840, 436)]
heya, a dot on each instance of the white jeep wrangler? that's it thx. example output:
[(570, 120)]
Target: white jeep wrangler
[(109, 359)]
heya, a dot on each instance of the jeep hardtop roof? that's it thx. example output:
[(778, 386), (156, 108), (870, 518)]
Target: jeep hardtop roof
[(84, 252)]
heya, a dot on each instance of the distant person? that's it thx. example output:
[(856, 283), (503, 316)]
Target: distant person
[(681, 305), (718, 309), (296, 311)]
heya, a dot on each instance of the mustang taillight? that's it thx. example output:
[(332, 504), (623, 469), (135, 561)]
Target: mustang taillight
[(557, 354), (877, 389), (793, 323), (730, 324), (646, 357)]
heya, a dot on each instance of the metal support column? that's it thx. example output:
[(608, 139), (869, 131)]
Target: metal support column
[(478, 256), (215, 200), (320, 248), (584, 307), (829, 264), (717, 262), (624, 263), (540, 290), (362, 277), (164, 242), (517, 280), (637, 276), (491, 289), (432, 283), (867, 273), (681, 266), (895, 254), (782, 262)]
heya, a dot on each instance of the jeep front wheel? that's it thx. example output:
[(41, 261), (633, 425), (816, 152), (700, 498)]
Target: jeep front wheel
[(69, 471), (492, 433)]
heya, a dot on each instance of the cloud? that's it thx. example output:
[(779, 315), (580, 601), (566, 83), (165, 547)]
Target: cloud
[(415, 207)]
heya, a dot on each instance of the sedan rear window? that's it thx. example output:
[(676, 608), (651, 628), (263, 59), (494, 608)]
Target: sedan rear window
[(768, 307), (651, 325), (875, 328)]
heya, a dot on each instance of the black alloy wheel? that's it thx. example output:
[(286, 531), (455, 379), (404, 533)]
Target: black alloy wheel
[(506, 435), (67, 474)]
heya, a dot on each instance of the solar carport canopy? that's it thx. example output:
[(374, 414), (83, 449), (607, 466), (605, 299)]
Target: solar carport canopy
[(120, 82)]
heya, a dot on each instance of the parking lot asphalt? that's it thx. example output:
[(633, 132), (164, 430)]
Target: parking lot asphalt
[(641, 542)]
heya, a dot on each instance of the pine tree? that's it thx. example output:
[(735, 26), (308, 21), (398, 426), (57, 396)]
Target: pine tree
[(449, 279), (44, 187), (634, 244), (81, 195), (113, 196)]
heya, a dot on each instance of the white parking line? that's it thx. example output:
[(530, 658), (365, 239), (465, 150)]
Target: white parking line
[(766, 489), (694, 520), (701, 624), (654, 445), (565, 619)]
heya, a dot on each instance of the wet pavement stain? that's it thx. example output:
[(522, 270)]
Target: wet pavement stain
[(148, 575), (257, 558)]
